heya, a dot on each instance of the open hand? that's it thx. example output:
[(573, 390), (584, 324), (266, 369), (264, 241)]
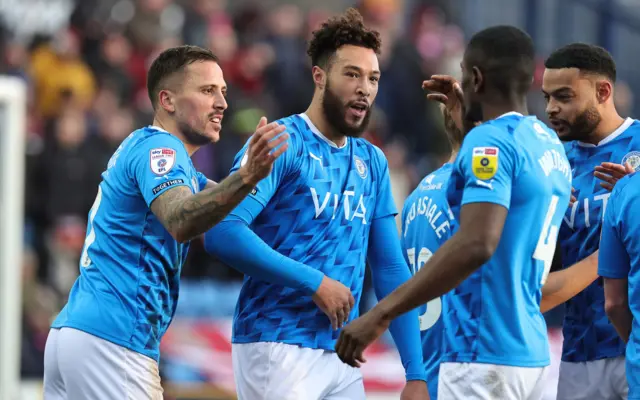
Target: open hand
[(611, 173), (447, 91), (266, 145)]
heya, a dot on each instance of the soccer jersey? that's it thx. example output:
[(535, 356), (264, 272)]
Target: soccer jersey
[(588, 334), (315, 207), (130, 265), (619, 258), (427, 222), (494, 315)]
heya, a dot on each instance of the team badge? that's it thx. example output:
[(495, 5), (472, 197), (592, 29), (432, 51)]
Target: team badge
[(162, 160), (484, 162), (633, 159), (360, 167)]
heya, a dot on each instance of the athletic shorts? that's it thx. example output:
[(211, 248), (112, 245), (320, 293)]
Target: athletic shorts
[(476, 381), (278, 371), (80, 366), (599, 379)]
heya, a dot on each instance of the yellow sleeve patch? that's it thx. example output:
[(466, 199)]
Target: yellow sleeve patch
[(484, 162)]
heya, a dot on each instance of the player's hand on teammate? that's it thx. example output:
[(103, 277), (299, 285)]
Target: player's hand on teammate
[(415, 390), (446, 90), (358, 335), (267, 144), (611, 173), (335, 300), (573, 198)]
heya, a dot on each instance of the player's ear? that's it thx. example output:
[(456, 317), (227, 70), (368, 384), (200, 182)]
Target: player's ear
[(604, 91), (477, 79), (166, 101), (319, 77)]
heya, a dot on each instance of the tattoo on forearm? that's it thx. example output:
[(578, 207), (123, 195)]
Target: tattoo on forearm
[(187, 215), (455, 135)]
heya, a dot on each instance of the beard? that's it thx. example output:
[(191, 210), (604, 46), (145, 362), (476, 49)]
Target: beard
[(192, 135), (584, 125), (336, 113), (472, 115)]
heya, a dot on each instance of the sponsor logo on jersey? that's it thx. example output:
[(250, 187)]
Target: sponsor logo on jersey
[(361, 167), (427, 183), (162, 160), (633, 159), (484, 162)]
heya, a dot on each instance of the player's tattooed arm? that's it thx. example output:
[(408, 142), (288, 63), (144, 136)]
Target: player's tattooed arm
[(616, 305), (563, 284), (454, 133), (186, 215)]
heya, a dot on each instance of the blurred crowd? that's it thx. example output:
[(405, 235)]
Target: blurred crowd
[(87, 92)]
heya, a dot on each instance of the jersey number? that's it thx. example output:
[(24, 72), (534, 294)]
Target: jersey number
[(85, 261), (547, 241), (434, 307)]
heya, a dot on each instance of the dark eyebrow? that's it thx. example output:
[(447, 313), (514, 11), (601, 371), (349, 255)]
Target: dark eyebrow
[(223, 88), (561, 91), (376, 72)]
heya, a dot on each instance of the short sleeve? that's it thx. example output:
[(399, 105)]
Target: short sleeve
[(385, 204), (266, 188), (202, 180), (159, 163), (487, 165), (613, 259)]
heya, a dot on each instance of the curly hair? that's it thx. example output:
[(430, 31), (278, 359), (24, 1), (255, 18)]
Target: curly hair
[(346, 29)]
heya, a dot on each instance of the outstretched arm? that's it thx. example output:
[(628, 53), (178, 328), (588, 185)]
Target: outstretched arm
[(562, 285), (389, 270), (481, 226), (186, 215)]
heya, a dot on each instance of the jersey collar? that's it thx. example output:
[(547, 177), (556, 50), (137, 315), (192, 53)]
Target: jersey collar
[(626, 124), (320, 135), (509, 114)]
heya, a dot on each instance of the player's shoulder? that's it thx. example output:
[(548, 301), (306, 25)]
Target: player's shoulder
[(148, 137), (627, 186)]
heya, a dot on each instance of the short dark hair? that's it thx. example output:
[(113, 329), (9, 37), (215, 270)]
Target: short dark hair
[(171, 61), (506, 57), (346, 29), (585, 57)]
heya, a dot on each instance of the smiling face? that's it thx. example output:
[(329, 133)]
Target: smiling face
[(351, 88), (197, 101), (573, 101)]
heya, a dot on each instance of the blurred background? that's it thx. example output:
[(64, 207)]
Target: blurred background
[(85, 62)]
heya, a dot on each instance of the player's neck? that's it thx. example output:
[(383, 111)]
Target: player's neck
[(317, 117), (171, 127), (610, 123), (494, 110)]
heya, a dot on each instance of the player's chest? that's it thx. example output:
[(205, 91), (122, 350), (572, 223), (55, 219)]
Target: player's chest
[(591, 198), (337, 186)]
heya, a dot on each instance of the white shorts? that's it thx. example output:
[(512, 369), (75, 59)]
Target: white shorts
[(80, 366), (475, 381), (600, 379), (278, 371)]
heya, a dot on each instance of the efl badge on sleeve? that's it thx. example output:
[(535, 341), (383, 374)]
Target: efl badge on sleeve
[(162, 160), (485, 162)]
